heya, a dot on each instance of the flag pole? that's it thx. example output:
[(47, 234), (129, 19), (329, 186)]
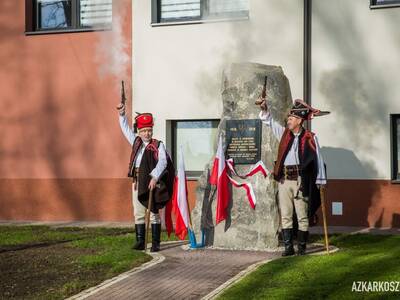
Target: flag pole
[(322, 192), (192, 237), (187, 200), (190, 217)]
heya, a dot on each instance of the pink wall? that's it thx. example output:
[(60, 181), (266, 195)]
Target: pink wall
[(57, 114), (62, 155)]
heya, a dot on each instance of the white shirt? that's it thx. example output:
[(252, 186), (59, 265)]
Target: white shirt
[(130, 136), (292, 157)]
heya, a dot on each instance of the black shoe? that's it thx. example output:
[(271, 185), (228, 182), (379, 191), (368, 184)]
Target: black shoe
[(288, 242), (302, 237), (140, 230), (155, 234)]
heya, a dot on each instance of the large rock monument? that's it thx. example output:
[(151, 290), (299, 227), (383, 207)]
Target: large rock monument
[(245, 228)]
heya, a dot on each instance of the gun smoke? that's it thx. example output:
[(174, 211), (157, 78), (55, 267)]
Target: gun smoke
[(113, 47)]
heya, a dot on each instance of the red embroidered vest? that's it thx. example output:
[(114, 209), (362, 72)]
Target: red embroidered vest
[(307, 150)]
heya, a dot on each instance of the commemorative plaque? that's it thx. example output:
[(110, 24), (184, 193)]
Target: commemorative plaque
[(243, 140)]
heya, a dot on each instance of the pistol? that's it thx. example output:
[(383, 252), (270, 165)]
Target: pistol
[(123, 97), (263, 93)]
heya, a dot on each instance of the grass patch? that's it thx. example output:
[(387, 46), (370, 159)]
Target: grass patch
[(111, 253), (61, 269), (362, 257), (28, 235)]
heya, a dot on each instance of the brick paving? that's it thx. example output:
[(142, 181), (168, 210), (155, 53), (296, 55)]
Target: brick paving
[(185, 274)]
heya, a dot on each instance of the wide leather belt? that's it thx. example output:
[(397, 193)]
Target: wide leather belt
[(291, 172)]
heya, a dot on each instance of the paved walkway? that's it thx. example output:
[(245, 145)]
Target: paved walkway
[(185, 274)]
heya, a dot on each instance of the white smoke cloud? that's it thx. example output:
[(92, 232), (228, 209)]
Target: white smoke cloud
[(112, 49)]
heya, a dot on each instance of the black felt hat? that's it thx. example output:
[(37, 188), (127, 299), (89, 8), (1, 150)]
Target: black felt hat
[(304, 111)]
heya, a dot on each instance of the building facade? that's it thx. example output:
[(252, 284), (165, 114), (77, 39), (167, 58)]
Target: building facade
[(340, 56), (63, 156)]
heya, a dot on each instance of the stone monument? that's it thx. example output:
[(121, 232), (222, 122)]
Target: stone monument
[(247, 141)]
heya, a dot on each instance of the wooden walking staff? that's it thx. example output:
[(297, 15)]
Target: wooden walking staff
[(146, 239), (322, 192)]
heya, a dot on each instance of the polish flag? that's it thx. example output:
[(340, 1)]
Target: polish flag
[(180, 200), (219, 177)]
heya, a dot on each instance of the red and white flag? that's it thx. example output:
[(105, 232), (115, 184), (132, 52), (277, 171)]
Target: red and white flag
[(180, 200), (219, 177)]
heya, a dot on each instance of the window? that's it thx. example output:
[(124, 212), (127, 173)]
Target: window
[(384, 3), (68, 15), (395, 146), (53, 14), (165, 11), (175, 10), (197, 138)]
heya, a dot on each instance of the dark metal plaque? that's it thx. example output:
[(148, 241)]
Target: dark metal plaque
[(243, 140)]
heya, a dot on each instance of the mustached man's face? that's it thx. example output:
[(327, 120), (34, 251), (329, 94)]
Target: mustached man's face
[(146, 134), (294, 123)]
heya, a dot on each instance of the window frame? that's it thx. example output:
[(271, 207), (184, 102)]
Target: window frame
[(172, 146), (390, 4), (394, 159), (156, 16), (32, 18), (74, 15), (176, 20)]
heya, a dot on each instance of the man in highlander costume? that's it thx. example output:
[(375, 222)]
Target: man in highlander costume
[(152, 172), (300, 171)]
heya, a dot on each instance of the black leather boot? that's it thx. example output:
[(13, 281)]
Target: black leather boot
[(302, 237), (140, 230), (288, 242), (155, 236)]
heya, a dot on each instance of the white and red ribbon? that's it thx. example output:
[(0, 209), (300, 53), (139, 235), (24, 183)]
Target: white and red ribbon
[(258, 167), (249, 191)]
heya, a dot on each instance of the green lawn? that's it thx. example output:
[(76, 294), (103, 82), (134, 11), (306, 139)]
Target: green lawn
[(39, 262), (24, 235), (362, 258)]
